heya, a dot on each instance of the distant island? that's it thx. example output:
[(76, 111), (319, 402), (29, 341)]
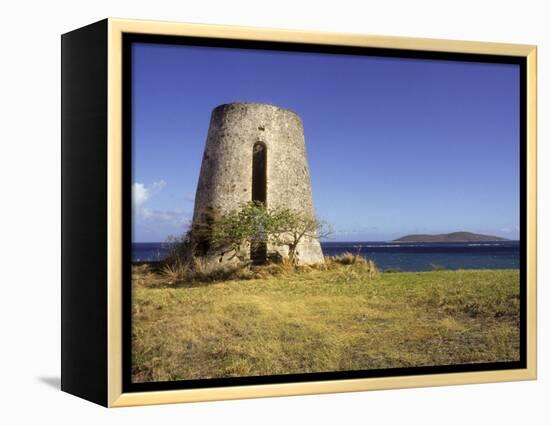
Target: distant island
[(453, 237)]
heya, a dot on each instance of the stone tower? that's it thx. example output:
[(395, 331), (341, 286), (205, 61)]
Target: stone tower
[(254, 152)]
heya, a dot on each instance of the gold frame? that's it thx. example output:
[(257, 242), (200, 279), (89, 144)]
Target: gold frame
[(116, 27)]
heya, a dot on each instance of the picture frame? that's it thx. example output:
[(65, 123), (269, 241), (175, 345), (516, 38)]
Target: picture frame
[(96, 219)]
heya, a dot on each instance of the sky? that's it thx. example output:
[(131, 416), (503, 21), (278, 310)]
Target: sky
[(395, 146)]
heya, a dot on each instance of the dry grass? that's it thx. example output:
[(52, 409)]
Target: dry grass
[(177, 274), (342, 316)]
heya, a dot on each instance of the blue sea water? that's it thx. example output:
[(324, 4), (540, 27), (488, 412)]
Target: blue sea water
[(399, 256)]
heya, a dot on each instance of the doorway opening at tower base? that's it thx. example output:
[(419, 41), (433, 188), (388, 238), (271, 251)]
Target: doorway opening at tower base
[(258, 250)]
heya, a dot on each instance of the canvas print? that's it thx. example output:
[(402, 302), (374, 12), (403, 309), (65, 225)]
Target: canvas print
[(298, 213)]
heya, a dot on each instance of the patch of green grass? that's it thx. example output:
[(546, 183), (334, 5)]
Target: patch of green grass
[(340, 318)]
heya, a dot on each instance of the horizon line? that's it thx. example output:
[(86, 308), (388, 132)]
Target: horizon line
[(370, 241)]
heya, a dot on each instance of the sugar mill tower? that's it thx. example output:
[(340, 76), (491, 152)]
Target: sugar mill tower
[(253, 152)]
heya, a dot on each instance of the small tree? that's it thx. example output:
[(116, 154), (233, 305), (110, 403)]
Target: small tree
[(254, 223), (241, 227), (290, 227)]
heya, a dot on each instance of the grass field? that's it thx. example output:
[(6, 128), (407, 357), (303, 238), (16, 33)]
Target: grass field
[(316, 321)]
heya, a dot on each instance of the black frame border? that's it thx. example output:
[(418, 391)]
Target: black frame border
[(129, 38)]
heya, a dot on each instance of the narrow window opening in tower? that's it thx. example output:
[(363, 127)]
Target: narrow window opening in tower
[(259, 178), (258, 250)]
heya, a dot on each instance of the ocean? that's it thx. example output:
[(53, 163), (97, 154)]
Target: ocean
[(399, 256)]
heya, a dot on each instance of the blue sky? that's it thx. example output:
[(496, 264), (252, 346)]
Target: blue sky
[(395, 146)]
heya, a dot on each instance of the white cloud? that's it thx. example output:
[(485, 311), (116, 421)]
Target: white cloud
[(157, 225), (141, 192), (173, 218), (153, 224)]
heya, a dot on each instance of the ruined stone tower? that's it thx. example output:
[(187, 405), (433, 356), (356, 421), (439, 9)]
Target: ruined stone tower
[(254, 152)]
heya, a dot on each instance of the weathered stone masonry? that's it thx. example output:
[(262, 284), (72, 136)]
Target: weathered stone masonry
[(226, 175)]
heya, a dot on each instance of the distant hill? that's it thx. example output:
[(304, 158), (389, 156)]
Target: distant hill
[(453, 237)]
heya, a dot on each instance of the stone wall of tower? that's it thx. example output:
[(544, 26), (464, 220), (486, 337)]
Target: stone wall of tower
[(225, 180)]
